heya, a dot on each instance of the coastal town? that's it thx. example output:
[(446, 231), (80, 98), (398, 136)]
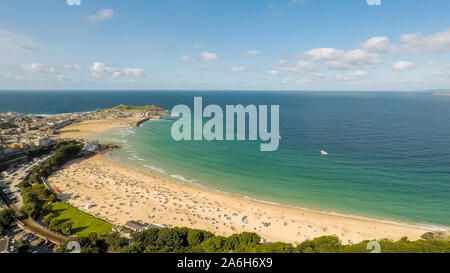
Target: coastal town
[(28, 141), (22, 132)]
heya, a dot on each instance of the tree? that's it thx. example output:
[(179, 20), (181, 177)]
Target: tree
[(54, 224), (115, 242), (170, 239), (48, 218), (195, 237), (278, 247), (6, 218), (214, 245), (243, 242), (146, 237), (30, 210), (324, 244), (66, 228)]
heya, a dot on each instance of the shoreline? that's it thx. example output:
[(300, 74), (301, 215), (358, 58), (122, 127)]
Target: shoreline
[(181, 180), (349, 228)]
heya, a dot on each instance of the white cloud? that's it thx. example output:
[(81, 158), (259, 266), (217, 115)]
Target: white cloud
[(116, 74), (359, 73), (410, 37), (339, 59), (72, 67), (100, 69), (283, 65), (187, 59), (416, 43), (134, 72), (73, 2), (352, 59), (250, 53), (376, 44), (402, 65), (238, 69), (38, 68), (274, 72), (210, 57), (324, 54), (196, 46), (430, 62), (34, 67), (101, 15)]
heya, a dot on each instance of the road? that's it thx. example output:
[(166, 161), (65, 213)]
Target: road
[(25, 223)]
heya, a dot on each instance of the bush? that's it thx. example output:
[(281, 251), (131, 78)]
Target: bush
[(115, 242), (54, 224), (6, 218), (66, 228), (278, 247), (324, 244), (48, 218), (185, 240), (196, 237), (214, 245), (170, 239), (90, 244), (36, 201)]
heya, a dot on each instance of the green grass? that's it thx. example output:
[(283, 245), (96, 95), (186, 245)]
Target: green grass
[(82, 223), (138, 108)]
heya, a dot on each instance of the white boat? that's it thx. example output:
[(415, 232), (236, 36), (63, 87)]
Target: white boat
[(323, 152)]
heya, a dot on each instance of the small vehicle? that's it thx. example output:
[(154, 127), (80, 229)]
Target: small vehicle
[(16, 230)]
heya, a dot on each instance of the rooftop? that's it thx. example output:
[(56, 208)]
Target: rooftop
[(136, 226), (4, 244)]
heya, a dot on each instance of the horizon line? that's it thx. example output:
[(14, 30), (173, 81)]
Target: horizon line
[(225, 90)]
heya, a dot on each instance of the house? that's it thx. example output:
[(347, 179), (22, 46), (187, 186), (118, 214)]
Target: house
[(8, 245), (135, 226), (42, 142), (4, 245)]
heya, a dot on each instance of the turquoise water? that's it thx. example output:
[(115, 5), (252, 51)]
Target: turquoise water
[(389, 153)]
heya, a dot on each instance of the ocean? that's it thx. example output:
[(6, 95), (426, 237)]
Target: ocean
[(388, 152)]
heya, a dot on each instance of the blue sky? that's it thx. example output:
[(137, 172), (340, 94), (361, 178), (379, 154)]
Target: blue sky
[(231, 45)]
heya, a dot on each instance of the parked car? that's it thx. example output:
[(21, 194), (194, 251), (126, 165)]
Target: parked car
[(16, 230)]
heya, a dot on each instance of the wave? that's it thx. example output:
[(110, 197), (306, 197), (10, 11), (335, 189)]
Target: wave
[(155, 168), (181, 178), (261, 201), (119, 140), (138, 158)]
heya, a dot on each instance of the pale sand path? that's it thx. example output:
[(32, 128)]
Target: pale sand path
[(122, 194)]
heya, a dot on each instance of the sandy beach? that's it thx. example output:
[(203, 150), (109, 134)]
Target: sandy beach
[(121, 194), (89, 129)]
